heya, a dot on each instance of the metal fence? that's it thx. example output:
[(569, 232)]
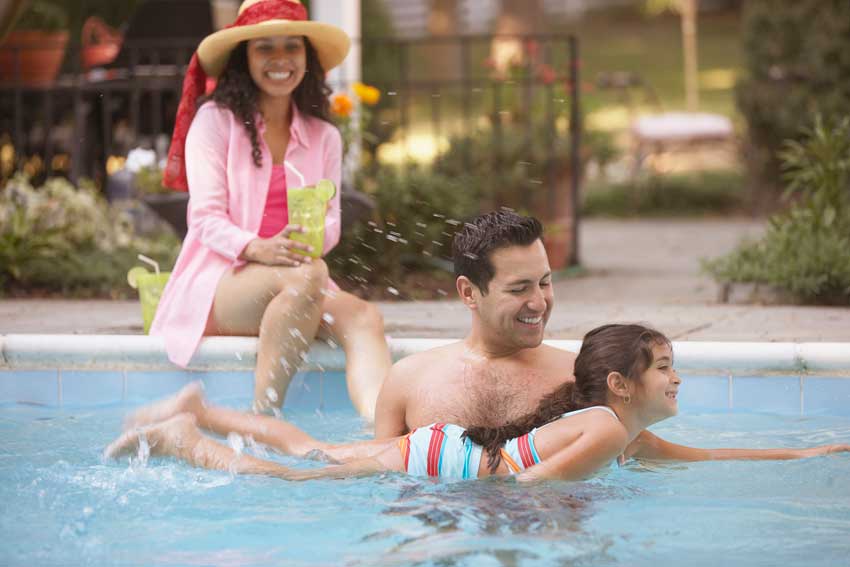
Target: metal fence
[(436, 88)]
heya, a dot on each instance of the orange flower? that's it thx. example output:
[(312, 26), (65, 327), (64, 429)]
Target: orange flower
[(367, 94), (342, 105)]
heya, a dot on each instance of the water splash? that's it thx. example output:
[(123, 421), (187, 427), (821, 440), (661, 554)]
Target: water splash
[(271, 394)]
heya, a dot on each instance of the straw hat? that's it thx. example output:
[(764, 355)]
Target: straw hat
[(265, 18)]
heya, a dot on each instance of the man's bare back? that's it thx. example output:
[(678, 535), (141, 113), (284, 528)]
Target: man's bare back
[(454, 384)]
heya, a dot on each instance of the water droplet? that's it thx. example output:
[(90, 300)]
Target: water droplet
[(328, 318), (271, 394), (392, 290), (236, 442)]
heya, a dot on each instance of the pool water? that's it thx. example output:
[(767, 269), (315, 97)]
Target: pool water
[(61, 505)]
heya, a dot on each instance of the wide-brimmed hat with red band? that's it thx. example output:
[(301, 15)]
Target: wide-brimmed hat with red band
[(256, 18)]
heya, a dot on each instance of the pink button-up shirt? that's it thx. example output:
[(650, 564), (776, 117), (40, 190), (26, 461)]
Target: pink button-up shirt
[(227, 197)]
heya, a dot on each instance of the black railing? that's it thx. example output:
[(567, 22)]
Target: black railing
[(440, 87)]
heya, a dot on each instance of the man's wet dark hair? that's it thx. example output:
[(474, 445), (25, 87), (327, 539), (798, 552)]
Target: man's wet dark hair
[(479, 237)]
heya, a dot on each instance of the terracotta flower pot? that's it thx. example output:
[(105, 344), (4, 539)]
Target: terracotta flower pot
[(101, 43), (32, 57)]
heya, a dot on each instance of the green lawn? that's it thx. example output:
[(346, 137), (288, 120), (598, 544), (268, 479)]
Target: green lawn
[(652, 48)]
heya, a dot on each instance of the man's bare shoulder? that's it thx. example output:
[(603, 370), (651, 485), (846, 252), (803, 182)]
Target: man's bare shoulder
[(427, 359), (423, 364), (554, 353)]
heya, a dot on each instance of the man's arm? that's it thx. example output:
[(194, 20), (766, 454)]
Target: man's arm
[(649, 446), (391, 408)]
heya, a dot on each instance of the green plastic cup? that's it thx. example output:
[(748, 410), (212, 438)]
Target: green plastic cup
[(150, 288), (306, 207)]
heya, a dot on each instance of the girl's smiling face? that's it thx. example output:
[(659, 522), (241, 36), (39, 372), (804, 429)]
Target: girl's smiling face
[(277, 64), (659, 386)]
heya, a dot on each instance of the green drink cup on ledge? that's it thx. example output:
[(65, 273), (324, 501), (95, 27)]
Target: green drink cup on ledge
[(307, 206)]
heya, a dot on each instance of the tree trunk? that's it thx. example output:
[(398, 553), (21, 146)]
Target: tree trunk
[(444, 56), (689, 48), (516, 18)]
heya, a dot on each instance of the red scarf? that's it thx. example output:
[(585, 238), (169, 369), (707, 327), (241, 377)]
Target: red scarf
[(195, 83)]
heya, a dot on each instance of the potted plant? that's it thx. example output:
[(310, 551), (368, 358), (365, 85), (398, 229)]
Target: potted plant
[(33, 51)]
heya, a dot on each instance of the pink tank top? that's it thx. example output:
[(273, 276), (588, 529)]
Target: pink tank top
[(275, 215)]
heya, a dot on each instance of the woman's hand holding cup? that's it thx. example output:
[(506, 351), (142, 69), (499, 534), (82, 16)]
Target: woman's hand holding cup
[(279, 250)]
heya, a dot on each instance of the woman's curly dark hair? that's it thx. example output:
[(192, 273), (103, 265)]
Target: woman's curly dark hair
[(237, 92), (626, 349)]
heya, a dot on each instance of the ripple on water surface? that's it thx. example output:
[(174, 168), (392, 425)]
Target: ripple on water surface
[(62, 505)]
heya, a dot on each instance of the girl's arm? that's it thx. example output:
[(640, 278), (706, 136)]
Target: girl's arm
[(601, 441), (651, 447)]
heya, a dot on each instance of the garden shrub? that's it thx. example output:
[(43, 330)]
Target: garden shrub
[(806, 250), (797, 60), (701, 193), (416, 215), (519, 168), (59, 238)]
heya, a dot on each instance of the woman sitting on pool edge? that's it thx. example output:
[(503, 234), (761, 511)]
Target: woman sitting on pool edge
[(625, 382), (264, 130)]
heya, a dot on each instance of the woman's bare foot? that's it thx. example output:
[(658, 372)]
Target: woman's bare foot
[(188, 400), (174, 437)]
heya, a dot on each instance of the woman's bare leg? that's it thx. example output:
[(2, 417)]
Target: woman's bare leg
[(280, 305), (180, 437), (358, 326), (281, 435)]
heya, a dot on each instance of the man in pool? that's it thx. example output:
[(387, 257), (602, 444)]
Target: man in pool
[(501, 369)]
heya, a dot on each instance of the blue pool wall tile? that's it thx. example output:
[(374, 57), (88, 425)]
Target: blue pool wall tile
[(826, 396), (774, 394), (39, 387), (90, 387), (145, 386), (317, 390), (226, 386), (704, 393)]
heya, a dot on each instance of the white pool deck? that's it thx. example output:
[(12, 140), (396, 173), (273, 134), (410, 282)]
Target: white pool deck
[(134, 352)]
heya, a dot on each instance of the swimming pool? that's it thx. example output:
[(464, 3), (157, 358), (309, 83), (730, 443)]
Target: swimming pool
[(63, 506)]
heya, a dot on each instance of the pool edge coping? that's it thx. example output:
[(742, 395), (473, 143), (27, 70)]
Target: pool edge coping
[(142, 352)]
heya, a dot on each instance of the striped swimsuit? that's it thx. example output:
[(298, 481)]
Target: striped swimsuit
[(441, 450)]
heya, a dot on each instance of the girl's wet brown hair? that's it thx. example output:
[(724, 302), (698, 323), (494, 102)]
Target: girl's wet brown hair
[(626, 349), (236, 91)]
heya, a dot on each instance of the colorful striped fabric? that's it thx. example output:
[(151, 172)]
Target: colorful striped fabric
[(435, 449)]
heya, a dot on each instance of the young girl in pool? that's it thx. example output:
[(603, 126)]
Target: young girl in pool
[(264, 128), (625, 382)]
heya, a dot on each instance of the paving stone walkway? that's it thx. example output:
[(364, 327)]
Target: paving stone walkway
[(646, 270)]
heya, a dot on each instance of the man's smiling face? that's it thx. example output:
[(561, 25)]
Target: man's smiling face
[(519, 298)]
